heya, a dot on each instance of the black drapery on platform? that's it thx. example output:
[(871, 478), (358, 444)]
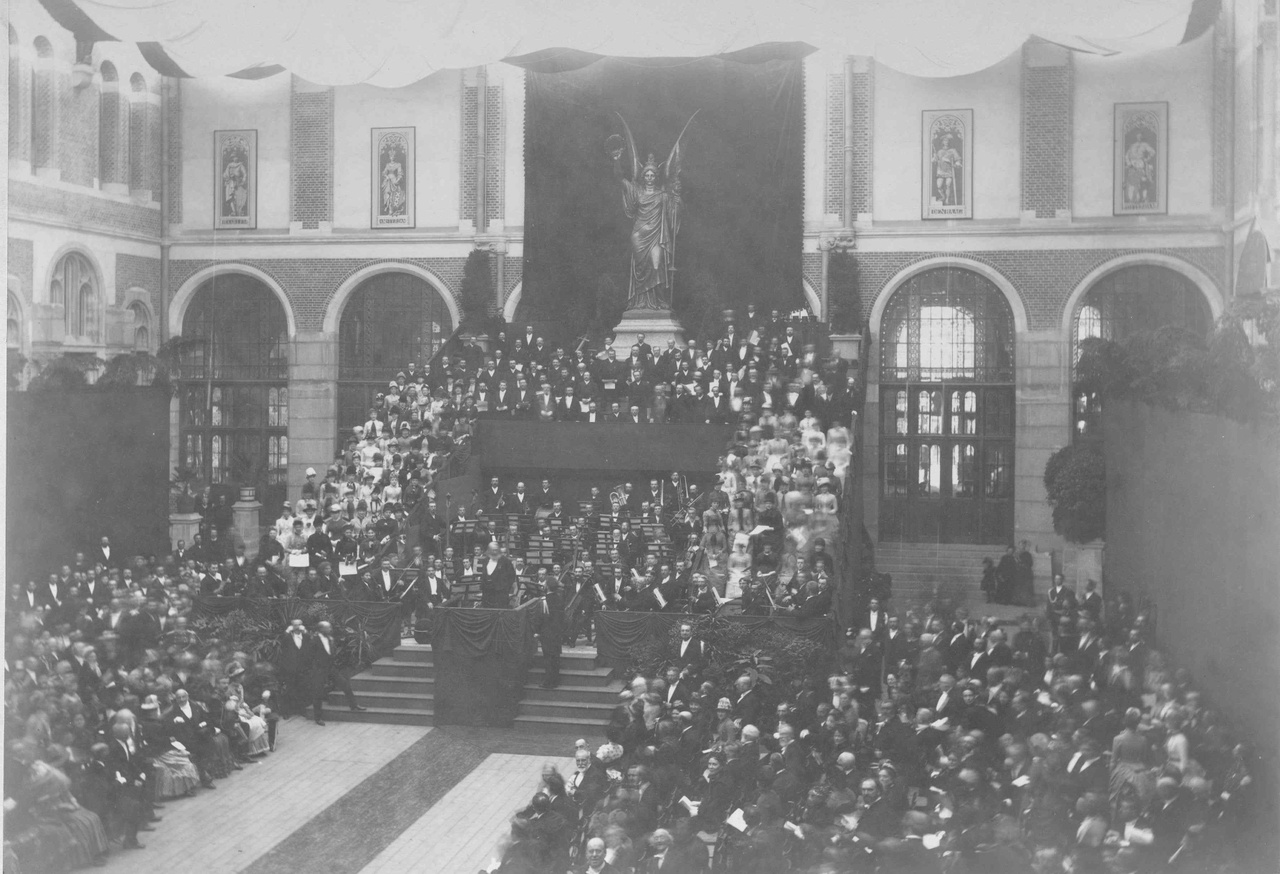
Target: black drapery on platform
[(380, 621), (618, 632), (481, 658)]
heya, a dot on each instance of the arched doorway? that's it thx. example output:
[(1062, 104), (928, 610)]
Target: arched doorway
[(1140, 297), (234, 394), (947, 402), (390, 321)]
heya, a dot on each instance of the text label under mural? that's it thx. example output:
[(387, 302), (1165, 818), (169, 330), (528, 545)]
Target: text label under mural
[(740, 184)]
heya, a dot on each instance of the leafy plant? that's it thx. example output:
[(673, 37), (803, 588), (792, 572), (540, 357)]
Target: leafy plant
[(68, 372), (477, 293), (1075, 481)]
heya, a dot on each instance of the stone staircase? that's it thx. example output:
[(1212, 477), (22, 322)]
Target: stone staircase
[(400, 689), (915, 567)]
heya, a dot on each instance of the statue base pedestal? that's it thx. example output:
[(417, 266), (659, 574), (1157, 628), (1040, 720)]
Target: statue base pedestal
[(657, 326)]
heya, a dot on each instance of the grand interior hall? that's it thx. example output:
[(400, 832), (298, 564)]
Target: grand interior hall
[(745, 436)]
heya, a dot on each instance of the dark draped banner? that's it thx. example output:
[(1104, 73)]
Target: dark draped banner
[(618, 632), (481, 658), (742, 181)]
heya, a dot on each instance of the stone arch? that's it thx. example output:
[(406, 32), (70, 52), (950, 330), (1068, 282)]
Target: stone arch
[(512, 301), (186, 292), (1202, 280), (333, 312), (812, 299), (982, 269)]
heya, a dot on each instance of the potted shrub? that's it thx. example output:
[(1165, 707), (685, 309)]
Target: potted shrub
[(1075, 482), (245, 470)]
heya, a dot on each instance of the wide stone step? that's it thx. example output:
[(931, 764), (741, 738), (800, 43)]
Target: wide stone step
[(582, 694), (596, 677), (382, 715), (391, 667), (384, 700), (574, 709), (407, 685), (414, 652)]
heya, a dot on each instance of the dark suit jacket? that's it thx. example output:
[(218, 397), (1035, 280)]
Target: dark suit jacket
[(318, 665), (495, 588)]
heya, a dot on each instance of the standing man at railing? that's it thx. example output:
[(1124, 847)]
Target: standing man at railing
[(497, 578)]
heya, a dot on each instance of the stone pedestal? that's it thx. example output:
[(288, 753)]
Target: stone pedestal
[(1088, 566), (183, 526), (847, 346), (244, 519), (657, 326)]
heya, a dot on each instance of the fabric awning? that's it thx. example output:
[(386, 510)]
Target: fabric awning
[(392, 43)]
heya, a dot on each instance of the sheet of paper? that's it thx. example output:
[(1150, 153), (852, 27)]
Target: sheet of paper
[(737, 820)]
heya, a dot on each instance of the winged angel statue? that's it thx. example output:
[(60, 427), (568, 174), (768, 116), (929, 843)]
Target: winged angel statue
[(650, 196)]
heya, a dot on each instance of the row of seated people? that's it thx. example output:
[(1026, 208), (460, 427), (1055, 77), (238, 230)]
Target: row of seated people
[(115, 706), (1103, 760)]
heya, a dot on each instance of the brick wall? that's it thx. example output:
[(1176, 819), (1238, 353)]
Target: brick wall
[(44, 117), (311, 116), (79, 144), (513, 273), (310, 283), (21, 265), (833, 199), (1044, 279), (19, 107), (113, 139), (494, 153), (89, 211), (811, 267), (863, 89), (174, 190), (135, 271), (1223, 74), (1046, 129)]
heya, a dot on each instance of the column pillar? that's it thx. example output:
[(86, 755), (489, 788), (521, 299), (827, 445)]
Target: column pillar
[(313, 405), (1043, 426)]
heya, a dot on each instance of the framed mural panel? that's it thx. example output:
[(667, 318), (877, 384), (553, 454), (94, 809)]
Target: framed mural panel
[(1141, 158), (393, 177), (946, 181), (235, 179)]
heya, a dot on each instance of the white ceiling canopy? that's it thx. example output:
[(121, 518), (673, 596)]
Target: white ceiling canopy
[(392, 43)]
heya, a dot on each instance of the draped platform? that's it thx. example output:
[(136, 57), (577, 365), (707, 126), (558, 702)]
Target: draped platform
[(482, 658)]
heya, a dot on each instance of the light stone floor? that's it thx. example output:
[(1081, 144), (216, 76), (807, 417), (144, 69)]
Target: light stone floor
[(461, 832), (226, 829)]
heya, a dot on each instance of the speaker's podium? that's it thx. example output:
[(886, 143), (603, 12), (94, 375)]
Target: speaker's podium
[(482, 659)]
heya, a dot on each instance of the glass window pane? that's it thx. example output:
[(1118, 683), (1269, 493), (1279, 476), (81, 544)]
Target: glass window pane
[(895, 470), (964, 473), (929, 469), (999, 476)]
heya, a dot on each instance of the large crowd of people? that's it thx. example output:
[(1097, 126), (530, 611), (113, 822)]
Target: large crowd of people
[(939, 743), (115, 704)]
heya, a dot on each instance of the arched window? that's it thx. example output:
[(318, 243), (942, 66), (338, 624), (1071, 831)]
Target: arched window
[(234, 393), (75, 286), (141, 323), (947, 422), (19, 108), (390, 321), (1132, 299)]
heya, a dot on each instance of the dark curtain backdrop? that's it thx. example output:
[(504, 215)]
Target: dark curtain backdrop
[(82, 465), (742, 182)]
